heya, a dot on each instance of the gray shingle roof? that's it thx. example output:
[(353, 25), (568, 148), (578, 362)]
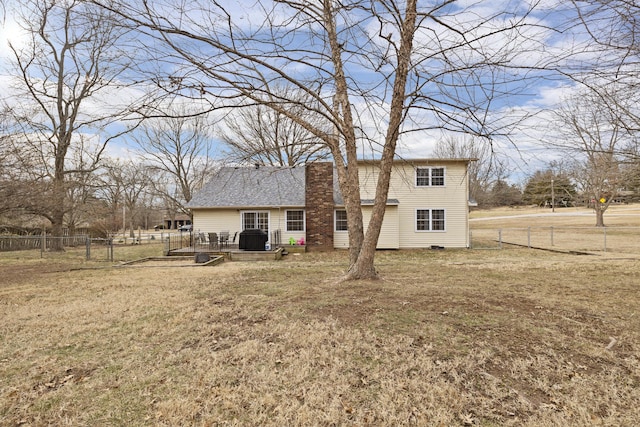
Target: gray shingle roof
[(266, 186)]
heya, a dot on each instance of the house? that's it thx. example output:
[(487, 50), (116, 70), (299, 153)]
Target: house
[(427, 203)]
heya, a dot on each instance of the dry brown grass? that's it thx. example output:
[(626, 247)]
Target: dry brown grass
[(454, 337), (568, 229)]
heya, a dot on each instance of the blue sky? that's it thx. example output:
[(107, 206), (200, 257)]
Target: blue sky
[(537, 43)]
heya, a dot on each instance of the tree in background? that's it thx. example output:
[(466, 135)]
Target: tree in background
[(7, 167), (125, 189), (75, 55), (136, 189), (375, 71), (259, 134), (549, 189), (111, 192), (484, 173), (592, 132), (177, 152), (504, 194), (81, 185), (613, 71), (631, 176)]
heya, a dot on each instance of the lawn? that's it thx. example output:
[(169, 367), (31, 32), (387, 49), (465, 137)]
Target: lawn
[(567, 229), (449, 337)]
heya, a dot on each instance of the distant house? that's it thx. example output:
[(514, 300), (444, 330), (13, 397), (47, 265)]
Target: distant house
[(428, 203)]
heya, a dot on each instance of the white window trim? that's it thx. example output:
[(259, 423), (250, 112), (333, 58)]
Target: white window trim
[(430, 168), (255, 211), (335, 222), (304, 220), (430, 230)]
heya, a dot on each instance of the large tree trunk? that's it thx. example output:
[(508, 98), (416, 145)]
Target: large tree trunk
[(363, 267), (599, 215), (56, 232), (348, 177), (58, 202)]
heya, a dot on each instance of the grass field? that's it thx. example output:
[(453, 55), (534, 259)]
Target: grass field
[(447, 338), (566, 229)]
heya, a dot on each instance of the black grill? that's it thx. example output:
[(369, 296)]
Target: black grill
[(253, 239)]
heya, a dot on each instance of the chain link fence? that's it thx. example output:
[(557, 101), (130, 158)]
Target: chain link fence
[(82, 247), (568, 239)]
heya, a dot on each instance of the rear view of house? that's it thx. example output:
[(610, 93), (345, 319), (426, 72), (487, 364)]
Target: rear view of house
[(427, 204)]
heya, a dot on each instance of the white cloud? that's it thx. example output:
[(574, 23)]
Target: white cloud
[(535, 43), (11, 32)]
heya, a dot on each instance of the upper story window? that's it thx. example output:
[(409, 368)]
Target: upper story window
[(429, 177), (341, 220), (295, 220)]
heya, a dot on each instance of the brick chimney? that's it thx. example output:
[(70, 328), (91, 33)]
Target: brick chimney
[(319, 206)]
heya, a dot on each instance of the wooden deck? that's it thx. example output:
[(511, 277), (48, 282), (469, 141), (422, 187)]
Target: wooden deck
[(230, 253)]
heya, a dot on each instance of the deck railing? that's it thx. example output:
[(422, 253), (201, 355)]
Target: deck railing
[(199, 242)]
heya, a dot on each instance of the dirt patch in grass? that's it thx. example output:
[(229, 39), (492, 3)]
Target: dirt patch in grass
[(512, 337)]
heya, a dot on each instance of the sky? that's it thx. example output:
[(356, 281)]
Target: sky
[(523, 148)]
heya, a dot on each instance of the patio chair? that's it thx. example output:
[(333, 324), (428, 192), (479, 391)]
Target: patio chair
[(201, 239), (224, 239), (213, 240)]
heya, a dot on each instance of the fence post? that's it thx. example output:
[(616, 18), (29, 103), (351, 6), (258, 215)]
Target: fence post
[(604, 232), (500, 238), (88, 246), (552, 235), (43, 243), (529, 237)]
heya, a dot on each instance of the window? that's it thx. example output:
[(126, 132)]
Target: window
[(430, 220), (252, 220), (422, 220), (341, 220), (437, 220), (422, 177), (295, 220), (429, 177), (437, 176)]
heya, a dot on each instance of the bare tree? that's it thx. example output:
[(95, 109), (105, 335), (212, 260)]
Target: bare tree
[(135, 187), (111, 191), (177, 150), (24, 179), (7, 167), (75, 55), (592, 133), (375, 71), (259, 134), (125, 185), (81, 185), (613, 26), (484, 171)]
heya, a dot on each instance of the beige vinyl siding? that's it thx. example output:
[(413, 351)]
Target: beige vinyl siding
[(217, 220), (389, 232), (452, 197)]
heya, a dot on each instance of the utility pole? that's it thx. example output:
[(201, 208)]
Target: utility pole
[(553, 198)]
